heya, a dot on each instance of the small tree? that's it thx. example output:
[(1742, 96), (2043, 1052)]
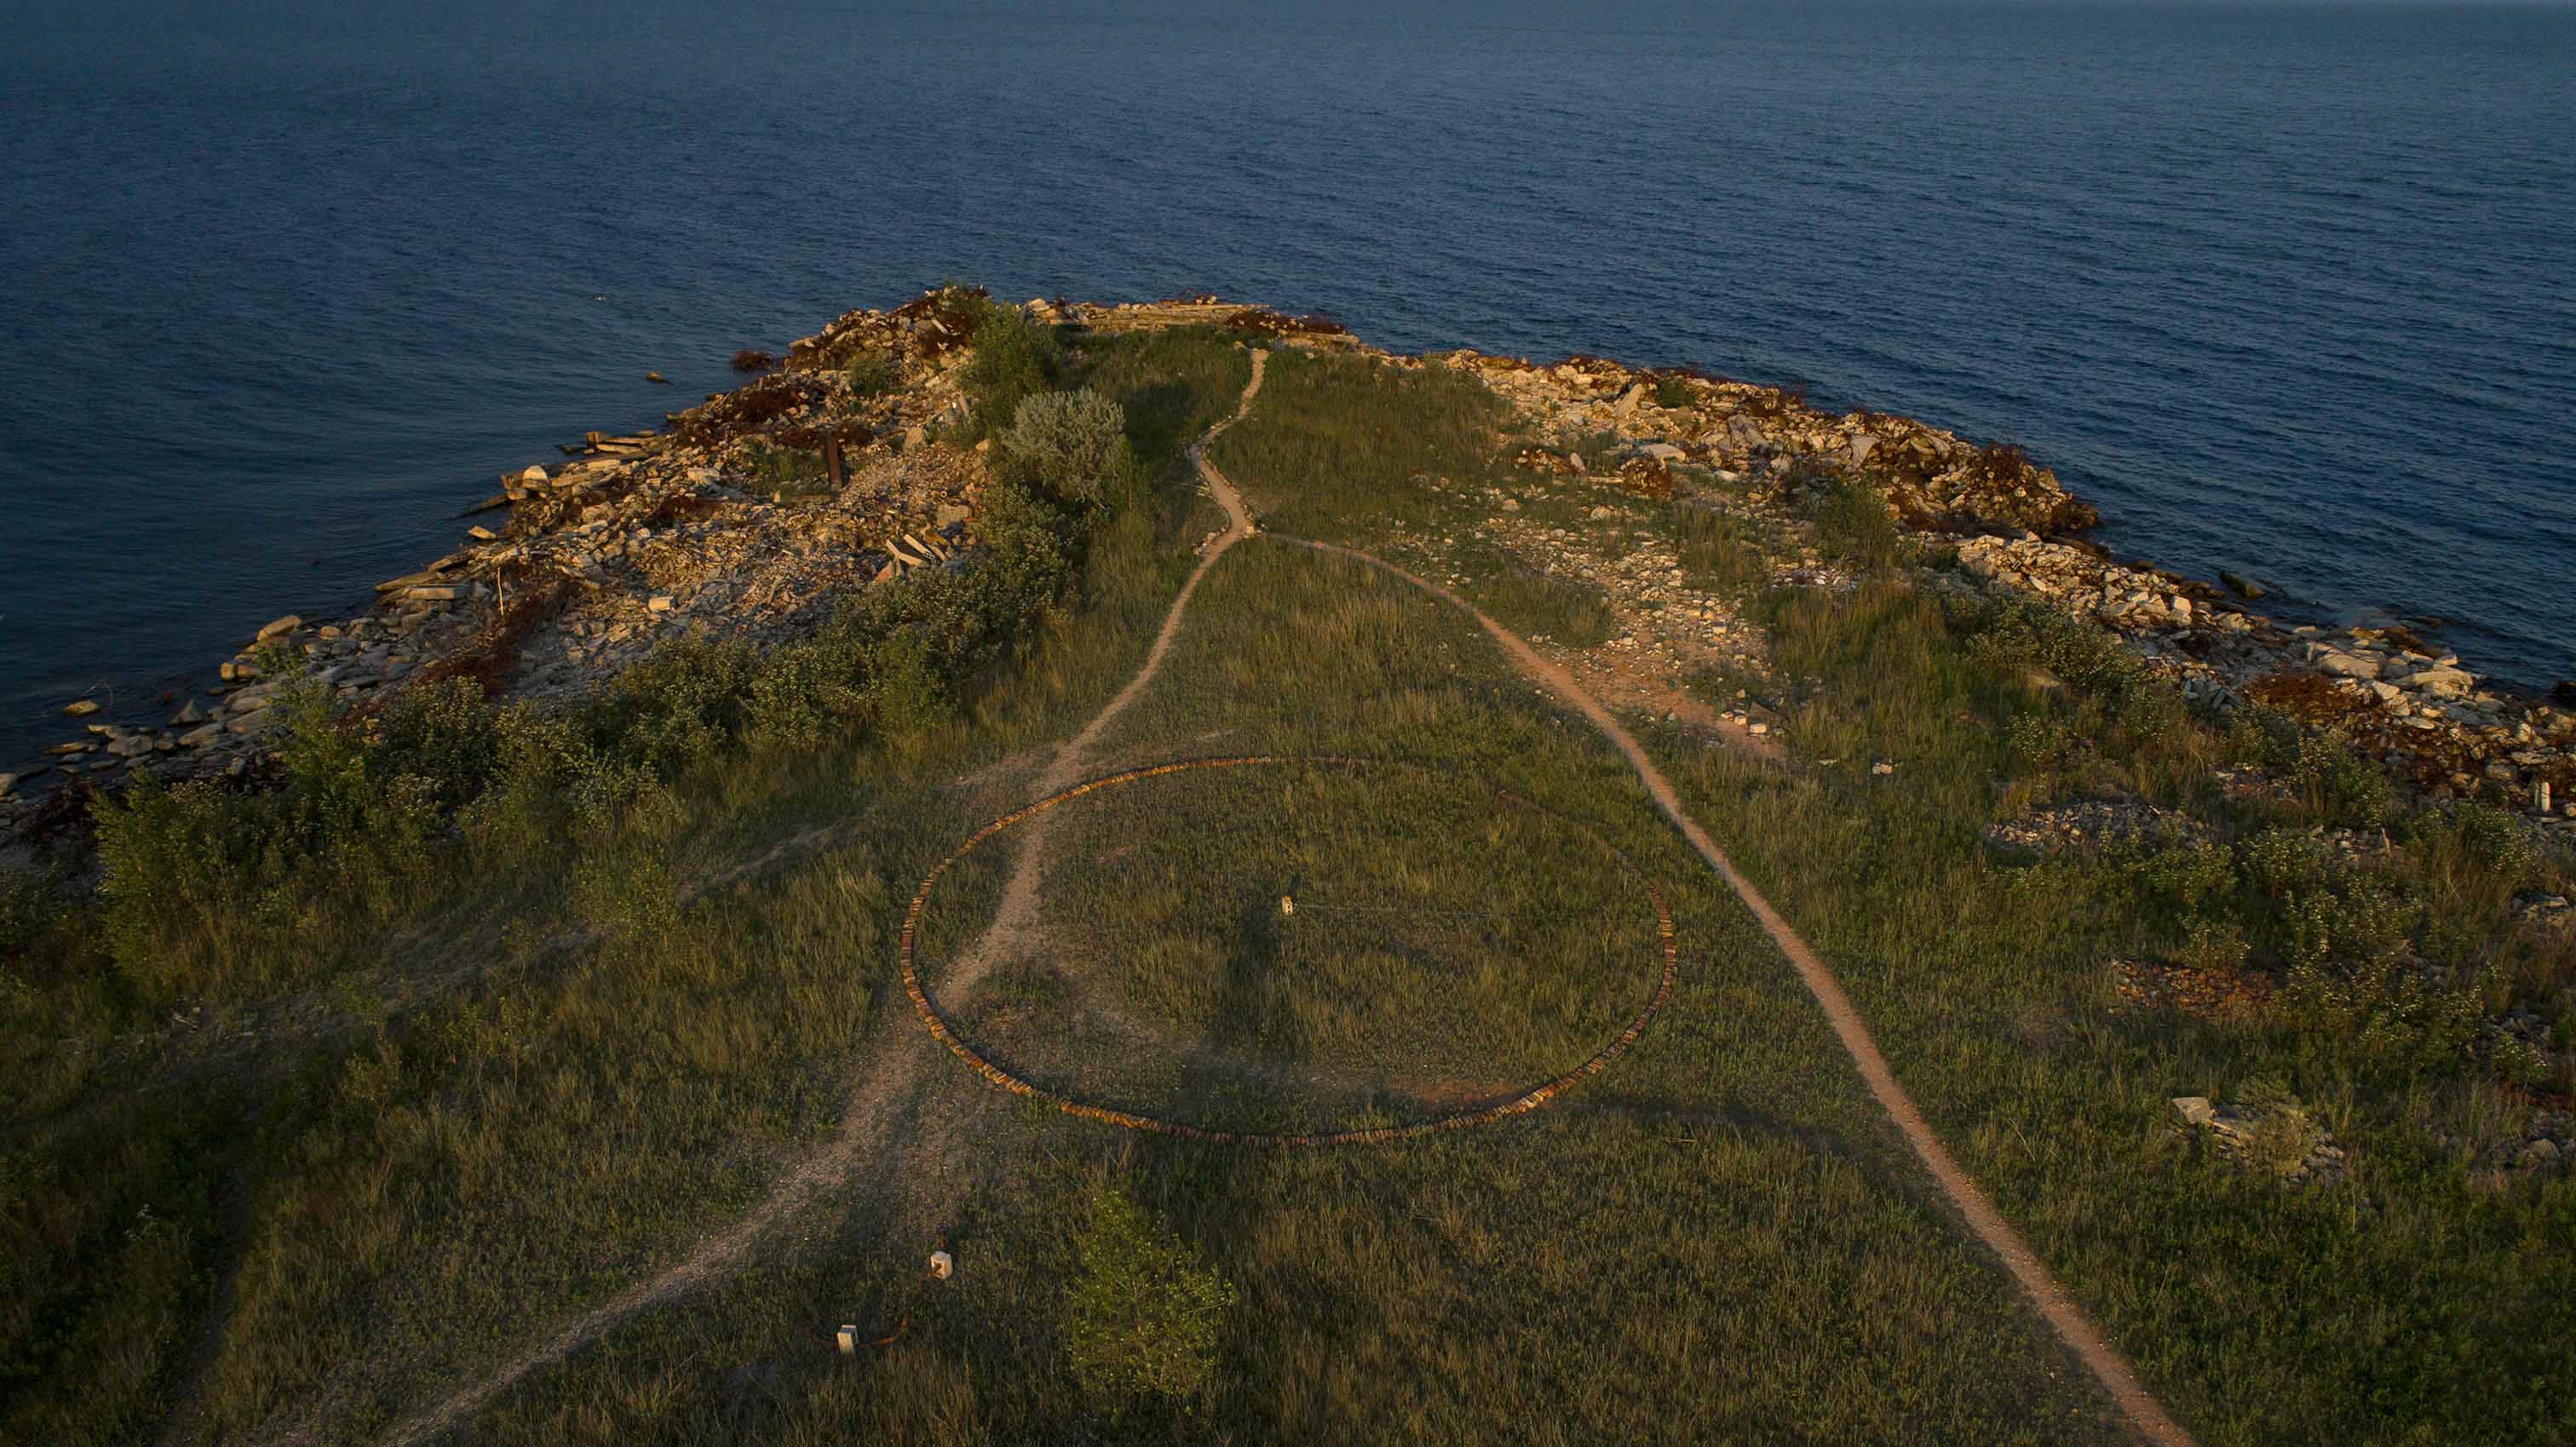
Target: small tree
[(1142, 1315), (1069, 444)]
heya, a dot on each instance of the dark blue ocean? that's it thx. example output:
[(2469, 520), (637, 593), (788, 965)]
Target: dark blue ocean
[(2288, 290)]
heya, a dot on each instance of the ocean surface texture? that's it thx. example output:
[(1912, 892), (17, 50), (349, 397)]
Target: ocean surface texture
[(2289, 291)]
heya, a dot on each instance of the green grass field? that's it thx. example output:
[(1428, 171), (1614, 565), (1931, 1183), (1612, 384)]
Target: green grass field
[(563, 1044)]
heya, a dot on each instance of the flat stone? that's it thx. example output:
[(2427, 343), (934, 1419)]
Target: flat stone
[(2347, 665), (198, 738), (2196, 1109), (2440, 680), (277, 627), (192, 714), (81, 707), (658, 603), (950, 514)]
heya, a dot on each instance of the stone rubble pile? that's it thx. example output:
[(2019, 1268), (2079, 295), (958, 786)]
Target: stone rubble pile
[(1934, 480), (2095, 824), (2280, 1139)]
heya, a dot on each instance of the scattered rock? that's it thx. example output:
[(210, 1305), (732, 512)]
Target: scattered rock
[(657, 377), (2245, 588), (81, 707), (2549, 911), (2095, 823), (2345, 665), (2266, 1130)]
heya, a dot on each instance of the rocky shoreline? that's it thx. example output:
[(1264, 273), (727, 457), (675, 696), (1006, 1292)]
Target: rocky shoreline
[(751, 514), (2011, 526)]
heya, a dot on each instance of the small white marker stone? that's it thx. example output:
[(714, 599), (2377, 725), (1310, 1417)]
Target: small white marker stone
[(942, 1264), (848, 1338)]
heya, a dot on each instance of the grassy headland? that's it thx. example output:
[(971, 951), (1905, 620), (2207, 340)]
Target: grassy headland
[(337, 1093)]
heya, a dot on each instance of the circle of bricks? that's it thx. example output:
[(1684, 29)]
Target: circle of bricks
[(1526, 1101)]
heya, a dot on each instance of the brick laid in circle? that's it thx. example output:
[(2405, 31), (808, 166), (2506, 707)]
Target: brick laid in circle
[(1520, 1104)]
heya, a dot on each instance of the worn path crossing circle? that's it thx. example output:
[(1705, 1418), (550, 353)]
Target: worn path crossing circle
[(1526, 1101)]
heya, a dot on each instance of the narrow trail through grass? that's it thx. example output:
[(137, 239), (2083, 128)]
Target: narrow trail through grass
[(2067, 1319), (885, 1081)]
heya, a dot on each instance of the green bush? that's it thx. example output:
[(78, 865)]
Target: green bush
[(1142, 1316), (872, 374), (2213, 945), (445, 734), (1852, 523), (1672, 392), (2341, 786), (2363, 922), (2393, 1015), (2044, 745), (2188, 876), (2022, 633), (804, 693), (1069, 446), (1015, 359), (2285, 863), (2338, 784), (681, 703), (2497, 841)]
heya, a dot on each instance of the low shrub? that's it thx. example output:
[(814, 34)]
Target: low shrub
[(2021, 633), (1142, 1316), (2395, 1016), (1852, 523), (2045, 745), (784, 470), (1015, 359), (1069, 446), (872, 374), (2497, 841)]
